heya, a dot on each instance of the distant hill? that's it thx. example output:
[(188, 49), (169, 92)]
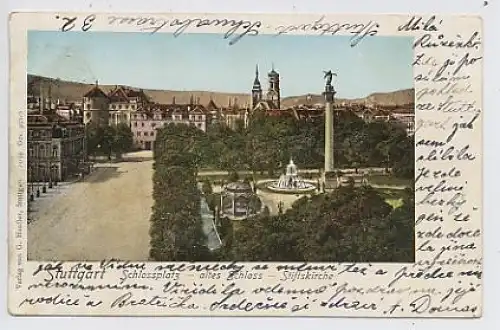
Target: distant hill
[(73, 91), (396, 98)]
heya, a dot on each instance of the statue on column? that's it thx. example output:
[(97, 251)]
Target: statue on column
[(329, 76)]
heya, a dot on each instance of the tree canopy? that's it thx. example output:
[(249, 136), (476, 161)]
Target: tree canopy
[(176, 228), (267, 144), (108, 140), (348, 225)]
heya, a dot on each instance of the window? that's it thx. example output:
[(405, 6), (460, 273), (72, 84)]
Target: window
[(120, 106), (153, 124), (54, 172), (41, 171), (30, 151), (138, 133), (133, 106), (142, 124), (55, 151), (135, 124), (42, 151)]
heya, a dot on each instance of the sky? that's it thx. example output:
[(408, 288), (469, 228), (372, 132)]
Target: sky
[(207, 61)]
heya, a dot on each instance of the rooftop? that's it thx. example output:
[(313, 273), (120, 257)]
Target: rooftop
[(239, 186)]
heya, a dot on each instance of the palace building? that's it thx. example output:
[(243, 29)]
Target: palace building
[(114, 108), (144, 123)]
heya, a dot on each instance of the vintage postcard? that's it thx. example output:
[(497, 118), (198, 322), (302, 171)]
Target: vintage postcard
[(245, 165)]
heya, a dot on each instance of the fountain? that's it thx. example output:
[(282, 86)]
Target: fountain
[(291, 182)]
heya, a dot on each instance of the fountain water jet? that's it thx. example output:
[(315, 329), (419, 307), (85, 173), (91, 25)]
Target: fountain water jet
[(291, 182)]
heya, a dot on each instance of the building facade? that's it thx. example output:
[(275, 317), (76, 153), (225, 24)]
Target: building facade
[(113, 108), (96, 107), (56, 147), (407, 120), (144, 124), (123, 102)]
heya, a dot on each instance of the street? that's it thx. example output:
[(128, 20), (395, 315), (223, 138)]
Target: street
[(104, 216)]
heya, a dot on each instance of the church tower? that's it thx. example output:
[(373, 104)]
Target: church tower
[(273, 93), (256, 89)]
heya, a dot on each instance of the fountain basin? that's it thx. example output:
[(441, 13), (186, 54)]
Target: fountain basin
[(272, 185)]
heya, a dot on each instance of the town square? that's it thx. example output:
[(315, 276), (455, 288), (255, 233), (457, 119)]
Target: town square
[(284, 169)]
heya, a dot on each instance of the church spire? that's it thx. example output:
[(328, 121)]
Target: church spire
[(273, 93), (256, 81), (256, 88)]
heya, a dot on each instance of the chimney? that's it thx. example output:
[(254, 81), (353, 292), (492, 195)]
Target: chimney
[(173, 99)]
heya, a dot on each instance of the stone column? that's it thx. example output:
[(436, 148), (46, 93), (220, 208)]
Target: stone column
[(329, 99)]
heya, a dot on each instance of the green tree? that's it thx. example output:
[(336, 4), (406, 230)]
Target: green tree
[(107, 140), (123, 139), (176, 226), (404, 166), (350, 224), (268, 238), (354, 147), (93, 135), (233, 176), (206, 187)]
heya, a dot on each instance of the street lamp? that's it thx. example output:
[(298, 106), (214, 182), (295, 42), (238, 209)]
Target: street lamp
[(44, 179), (50, 170), (37, 178), (30, 180), (54, 177), (44, 187)]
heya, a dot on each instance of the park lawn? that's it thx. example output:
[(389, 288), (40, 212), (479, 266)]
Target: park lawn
[(388, 180), (217, 178), (393, 197), (395, 203)]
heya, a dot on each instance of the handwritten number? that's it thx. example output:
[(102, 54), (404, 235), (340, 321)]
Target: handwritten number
[(87, 22), (69, 23)]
